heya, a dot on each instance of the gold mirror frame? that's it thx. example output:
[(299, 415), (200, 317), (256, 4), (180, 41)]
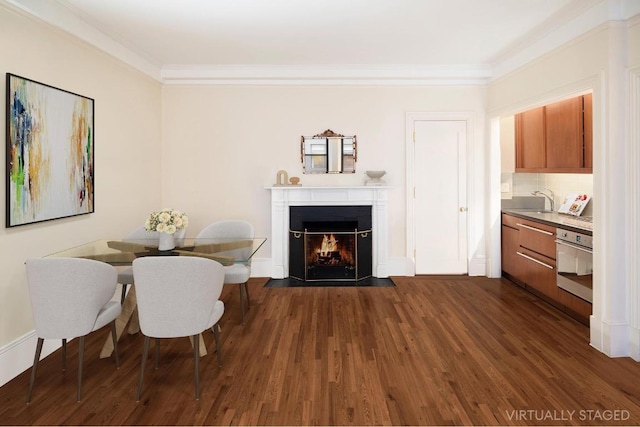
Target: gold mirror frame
[(328, 152)]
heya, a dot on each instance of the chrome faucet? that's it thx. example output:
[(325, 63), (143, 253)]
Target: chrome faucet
[(549, 196)]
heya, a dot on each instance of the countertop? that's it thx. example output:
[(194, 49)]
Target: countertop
[(554, 219)]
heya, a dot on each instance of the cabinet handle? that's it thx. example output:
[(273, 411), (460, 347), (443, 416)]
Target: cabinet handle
[(535, 260), (571, 245), (548, 233)]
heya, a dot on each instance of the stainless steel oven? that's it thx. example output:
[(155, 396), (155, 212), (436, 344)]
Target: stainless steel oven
[(574, 261)]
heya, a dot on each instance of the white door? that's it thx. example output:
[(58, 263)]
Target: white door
[(440, 207)]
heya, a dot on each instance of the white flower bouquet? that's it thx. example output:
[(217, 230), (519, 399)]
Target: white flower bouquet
[(166, 221)]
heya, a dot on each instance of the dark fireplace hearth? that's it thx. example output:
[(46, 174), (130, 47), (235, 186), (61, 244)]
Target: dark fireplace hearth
[(330, 243)]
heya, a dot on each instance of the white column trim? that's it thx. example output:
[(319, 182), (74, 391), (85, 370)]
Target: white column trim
[(633, 211)]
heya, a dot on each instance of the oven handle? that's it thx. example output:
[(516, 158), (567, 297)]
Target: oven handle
[(534, 260), (534, 229), (574, 246)]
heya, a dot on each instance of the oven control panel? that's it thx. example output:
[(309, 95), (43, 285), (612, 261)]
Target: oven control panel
[(575, 238)]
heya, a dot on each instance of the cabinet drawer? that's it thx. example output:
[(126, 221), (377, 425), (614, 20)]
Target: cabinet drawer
[(510, 247), (509, 221), (537, 237), (539, 272)]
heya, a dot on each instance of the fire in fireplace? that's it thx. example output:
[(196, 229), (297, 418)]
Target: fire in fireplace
[(331, 249), (330, 243)]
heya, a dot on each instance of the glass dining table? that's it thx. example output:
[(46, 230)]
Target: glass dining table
[(121, 253)]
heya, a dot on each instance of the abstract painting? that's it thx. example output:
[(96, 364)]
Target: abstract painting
[(50, 152)]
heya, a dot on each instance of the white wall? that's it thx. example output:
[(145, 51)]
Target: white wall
[(223, 145), (595, 61), (127, 161)]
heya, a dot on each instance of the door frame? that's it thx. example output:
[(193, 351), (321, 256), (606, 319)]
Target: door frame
[(411, 118)]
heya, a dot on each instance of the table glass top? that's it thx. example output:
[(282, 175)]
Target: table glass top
[(123, 251)]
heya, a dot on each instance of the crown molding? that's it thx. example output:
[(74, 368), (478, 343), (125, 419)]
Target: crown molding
[(56, 15), (580, 17), (325, 75)]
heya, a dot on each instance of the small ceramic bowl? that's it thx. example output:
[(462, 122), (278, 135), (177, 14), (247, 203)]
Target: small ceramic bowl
[(375, 174)]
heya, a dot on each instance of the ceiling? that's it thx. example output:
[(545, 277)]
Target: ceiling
[(184, 36)]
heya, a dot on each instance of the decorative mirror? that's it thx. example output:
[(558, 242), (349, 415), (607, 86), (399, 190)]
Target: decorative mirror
[(328, 152)]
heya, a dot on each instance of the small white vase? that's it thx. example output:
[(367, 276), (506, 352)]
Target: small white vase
[(179, 237), (166, 242)]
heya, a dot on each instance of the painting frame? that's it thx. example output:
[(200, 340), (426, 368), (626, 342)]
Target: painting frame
[(50, 152)]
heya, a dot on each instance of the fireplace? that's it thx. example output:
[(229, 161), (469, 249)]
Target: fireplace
[(374, 198), (330, 243)]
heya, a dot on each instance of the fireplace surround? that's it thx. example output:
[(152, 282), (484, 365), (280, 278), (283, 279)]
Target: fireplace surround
[(285, 197)]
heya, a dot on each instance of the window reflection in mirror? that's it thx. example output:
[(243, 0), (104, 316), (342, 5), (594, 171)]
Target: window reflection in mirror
[(329, 152)]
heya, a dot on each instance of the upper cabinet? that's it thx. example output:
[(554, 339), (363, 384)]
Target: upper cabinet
[(530, 144), (563, 134), (588, 131), (556, 138)]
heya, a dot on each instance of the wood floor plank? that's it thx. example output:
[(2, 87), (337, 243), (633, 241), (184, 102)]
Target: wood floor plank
[(434, 350)]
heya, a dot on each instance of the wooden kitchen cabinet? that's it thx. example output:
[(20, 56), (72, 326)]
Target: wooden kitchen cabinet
[(510, 246), (528, 254), (537, 237), (563, 134), (539, 272), (529, 260), (537, 250), (530, 140), (587, 103), (556, 138), (575, 306)]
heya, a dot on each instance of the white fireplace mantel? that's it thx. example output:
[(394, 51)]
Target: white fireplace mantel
[(282, 197)]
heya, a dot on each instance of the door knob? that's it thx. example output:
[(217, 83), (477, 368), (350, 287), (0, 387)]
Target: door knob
[(463, 209)]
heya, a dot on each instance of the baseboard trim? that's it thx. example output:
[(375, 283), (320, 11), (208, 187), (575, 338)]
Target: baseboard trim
[(17, 356)]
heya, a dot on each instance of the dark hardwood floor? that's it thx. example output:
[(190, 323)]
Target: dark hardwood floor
[(430, 351)]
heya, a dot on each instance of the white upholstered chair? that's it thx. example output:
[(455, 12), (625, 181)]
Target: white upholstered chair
[(125, 275), (70, 297), (240, 272), (178, 297)]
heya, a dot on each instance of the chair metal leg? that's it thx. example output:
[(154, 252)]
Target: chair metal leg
[(64, 354), (246, 292), (36, 359), (157, 353), (124, 293), (114, 336), (80, 363), (216, 336), (145, 352), (241, 301), (196, 363)]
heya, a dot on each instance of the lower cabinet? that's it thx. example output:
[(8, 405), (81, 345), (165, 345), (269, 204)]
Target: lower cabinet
[(538, 272), (575, 306), (510, 247), (528, 259)]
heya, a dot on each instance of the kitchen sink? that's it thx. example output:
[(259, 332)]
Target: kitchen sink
[(541, 212)]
